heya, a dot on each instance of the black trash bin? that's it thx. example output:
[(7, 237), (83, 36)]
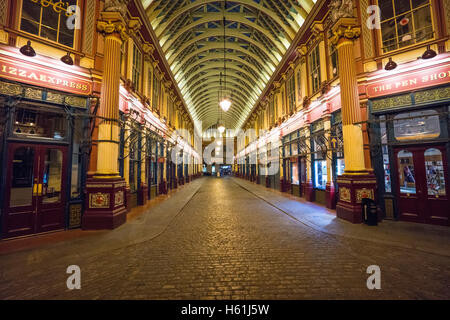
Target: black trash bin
[(369, 212)]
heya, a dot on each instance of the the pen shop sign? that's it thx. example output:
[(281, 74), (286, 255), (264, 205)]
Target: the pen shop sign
[(44, 77), (418, 79)]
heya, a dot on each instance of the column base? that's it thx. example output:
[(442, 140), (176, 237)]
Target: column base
[(352, 189), (142, 195), (105, 204), (128, 198), (310, 195), (330, 196), (163, 187)]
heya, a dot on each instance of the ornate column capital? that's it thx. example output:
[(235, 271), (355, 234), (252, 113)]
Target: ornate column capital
[(345, 28), (114, 22)]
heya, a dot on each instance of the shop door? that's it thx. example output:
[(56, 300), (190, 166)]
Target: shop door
[(423, 184), (35, 193)]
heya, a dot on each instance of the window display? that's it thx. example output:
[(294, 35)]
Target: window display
[(406, 172), (320, 174), (31, 123), (435, 172), (417, 125), (295, 174)]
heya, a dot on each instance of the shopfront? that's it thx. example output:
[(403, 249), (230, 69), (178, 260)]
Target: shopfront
[(319, 160), (44, 155), (295, 163), (410, 150)]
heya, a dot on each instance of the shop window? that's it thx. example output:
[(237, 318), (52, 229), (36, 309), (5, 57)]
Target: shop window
[(31, 123), (22, 177), (314, 68), (48, 22), (294, 149), (320, 163), (385, 150), (405, 22), (406, 172), (435, 172), (320, 174), (419, 125), (340, 166), (291, 94), (287, 152), (299, 85), (77, 158), (156, 91), (295, 174), (137, 68), (334, 62), (52, 176)]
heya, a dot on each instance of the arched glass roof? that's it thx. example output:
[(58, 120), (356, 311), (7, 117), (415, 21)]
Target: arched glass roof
[(258, 34)]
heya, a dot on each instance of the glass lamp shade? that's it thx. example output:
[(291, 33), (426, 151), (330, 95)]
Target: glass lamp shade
[(221, 128), (225, 104)]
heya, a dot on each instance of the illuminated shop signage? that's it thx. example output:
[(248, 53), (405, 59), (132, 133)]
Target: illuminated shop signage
[(410, 81), (58, 6), (38, 76)]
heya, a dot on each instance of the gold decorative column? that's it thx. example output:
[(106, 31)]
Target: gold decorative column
[(105, 201), (357, 182)]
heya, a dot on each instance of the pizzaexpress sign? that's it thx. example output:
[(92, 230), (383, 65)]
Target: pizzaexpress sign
[(44, 77)]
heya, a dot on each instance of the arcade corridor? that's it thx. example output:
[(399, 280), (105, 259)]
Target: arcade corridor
[(218, 239)]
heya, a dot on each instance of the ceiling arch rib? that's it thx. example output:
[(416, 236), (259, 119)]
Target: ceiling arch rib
[(216, 86), (173, 54), (240, 50), (217, 56), (216, 75), (160, 27), (218, 66), (168, 39), (258, 34), (213, 95)]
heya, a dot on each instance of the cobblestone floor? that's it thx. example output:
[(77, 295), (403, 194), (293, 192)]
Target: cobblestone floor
[(226, 243)]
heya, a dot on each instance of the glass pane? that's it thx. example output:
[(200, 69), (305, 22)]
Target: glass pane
[(435, 172), (422, 24), (295, 175), (303, 170), (417, 125), (401, 6), (406, 172), (35, 124), (22, 177), (387, 170), (340, 167), (405, 30), (389, 36), (320, 168), (386, 9), (75, 189), (52, 176), (31, 15)]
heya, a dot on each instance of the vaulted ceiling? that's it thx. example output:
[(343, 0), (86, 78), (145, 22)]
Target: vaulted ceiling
[(258, 33)]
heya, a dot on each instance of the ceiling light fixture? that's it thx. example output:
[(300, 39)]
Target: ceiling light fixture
[(391, 65), (27, 50)]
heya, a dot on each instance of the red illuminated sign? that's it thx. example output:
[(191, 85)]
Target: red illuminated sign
[(44, 77), (409, 81)]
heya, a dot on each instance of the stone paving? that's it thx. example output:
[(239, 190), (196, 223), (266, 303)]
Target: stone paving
[(222, 242)]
